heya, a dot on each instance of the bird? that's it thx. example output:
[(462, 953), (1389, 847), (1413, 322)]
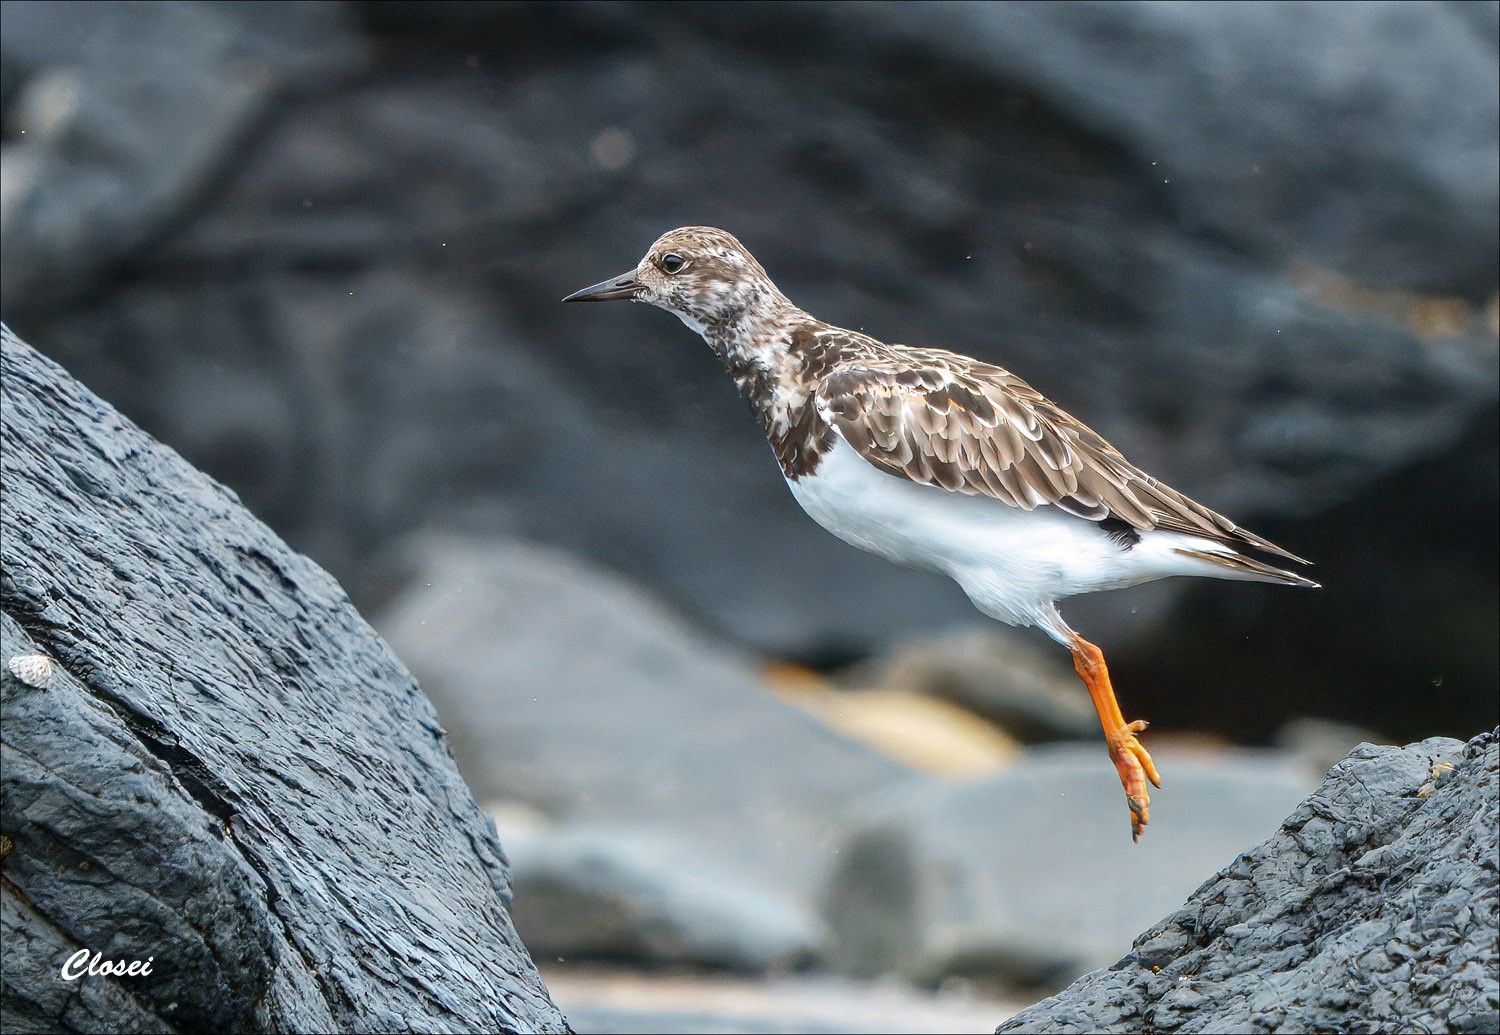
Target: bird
[(941, 462)]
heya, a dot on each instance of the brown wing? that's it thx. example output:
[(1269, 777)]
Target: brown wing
[(974, 428)]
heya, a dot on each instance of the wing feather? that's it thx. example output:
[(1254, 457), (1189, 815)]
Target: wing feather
[(975, 428)]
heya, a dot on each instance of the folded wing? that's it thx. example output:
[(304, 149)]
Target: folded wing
[(975, 428)]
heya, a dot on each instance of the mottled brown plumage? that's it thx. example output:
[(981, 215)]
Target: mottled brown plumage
[(932, 416), (940, 418)]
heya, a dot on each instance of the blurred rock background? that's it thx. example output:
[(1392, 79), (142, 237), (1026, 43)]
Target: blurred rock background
[(318, 248)]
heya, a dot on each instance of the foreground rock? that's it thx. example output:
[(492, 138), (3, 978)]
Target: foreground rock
[(1373, 909), (225, 770)]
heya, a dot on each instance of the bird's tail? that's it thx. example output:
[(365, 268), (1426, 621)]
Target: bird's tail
[(1238, 566)]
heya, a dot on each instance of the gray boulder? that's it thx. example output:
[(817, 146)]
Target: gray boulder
[(679, 793), (612, 891), (1374, 908), (1029, 878), (1017, 681), (219, 768)]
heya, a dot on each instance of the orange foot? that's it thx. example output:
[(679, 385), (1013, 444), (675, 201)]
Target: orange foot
[(1133, 763)]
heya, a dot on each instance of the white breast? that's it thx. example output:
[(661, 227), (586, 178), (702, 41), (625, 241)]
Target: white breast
[(1012, 563)]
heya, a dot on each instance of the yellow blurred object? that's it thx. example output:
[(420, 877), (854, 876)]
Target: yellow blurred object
[(785, 676), (923, 732), (1429, 317)]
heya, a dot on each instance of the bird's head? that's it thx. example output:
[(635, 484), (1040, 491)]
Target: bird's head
[(700, 273)]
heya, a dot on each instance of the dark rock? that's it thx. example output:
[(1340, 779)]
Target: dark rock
[(1374, 908), (96, 88), (1254, 245), (227, 772), (1029, 878), (1211, 96)]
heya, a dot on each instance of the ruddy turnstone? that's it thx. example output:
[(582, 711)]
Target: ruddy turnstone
[(940, 462)]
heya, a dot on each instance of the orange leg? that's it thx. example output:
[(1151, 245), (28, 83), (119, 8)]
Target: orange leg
[(1131, 759)]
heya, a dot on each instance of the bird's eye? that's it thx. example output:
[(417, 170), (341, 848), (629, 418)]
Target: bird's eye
[(672, 262)]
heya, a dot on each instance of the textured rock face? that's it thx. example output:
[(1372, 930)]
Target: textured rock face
[(1253, 245), (1373, 909), (227, 772)]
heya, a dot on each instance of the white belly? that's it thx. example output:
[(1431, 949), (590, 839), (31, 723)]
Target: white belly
[(1012, 563)]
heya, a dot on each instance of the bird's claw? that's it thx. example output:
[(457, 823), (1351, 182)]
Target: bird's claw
[(1133, 763)]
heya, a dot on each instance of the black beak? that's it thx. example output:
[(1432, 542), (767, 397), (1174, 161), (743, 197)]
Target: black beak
[(610, 290)]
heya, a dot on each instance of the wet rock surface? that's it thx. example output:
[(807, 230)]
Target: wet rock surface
[(1254, 246), (1374, 908), (225, 772)]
